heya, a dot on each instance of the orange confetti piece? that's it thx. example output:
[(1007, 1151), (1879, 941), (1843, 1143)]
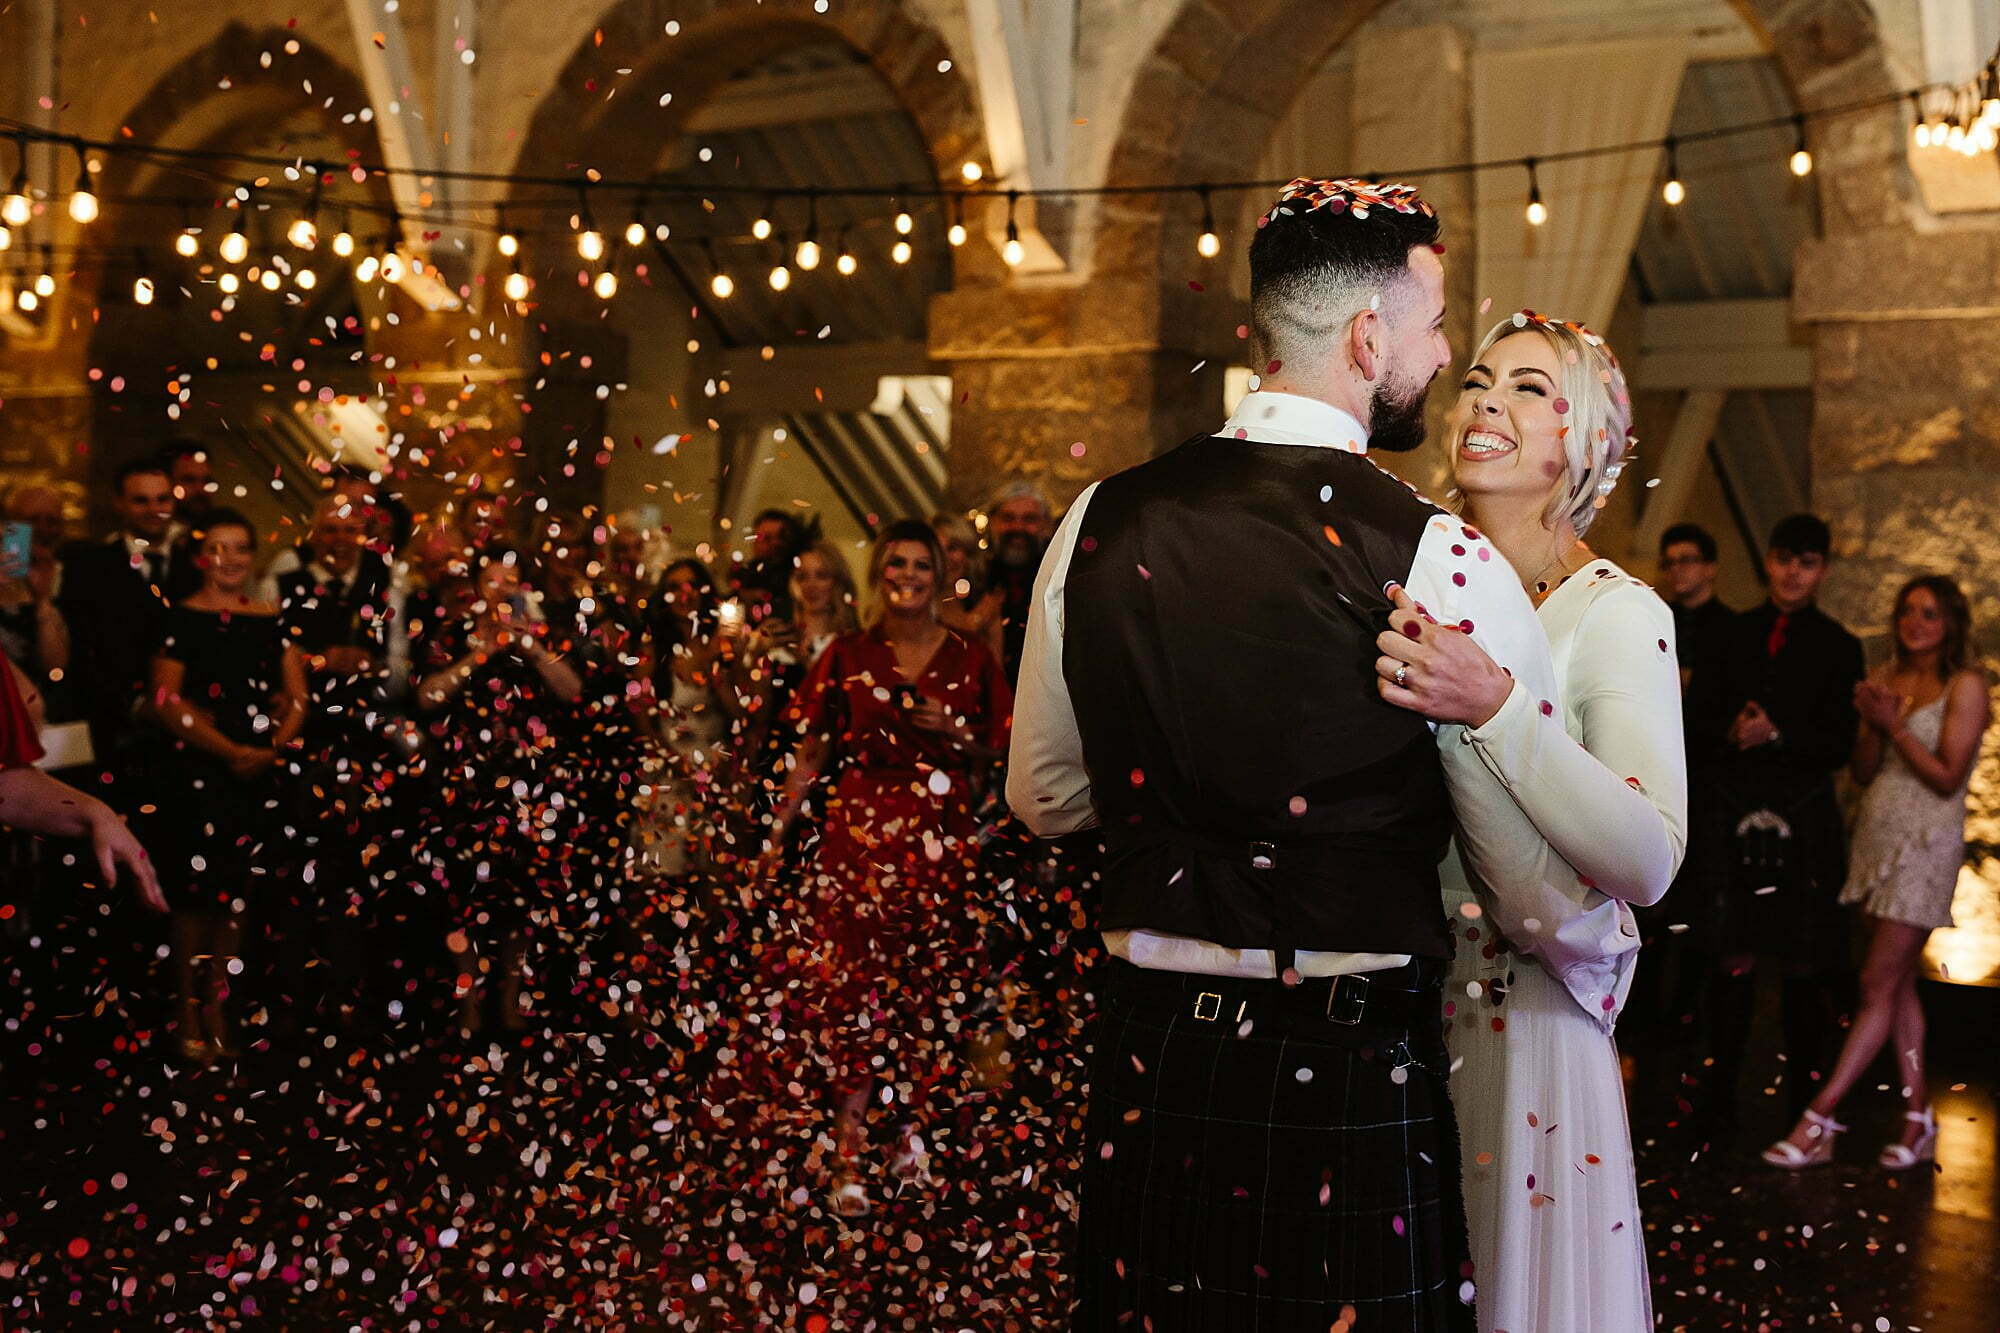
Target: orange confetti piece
[(1331, 535)]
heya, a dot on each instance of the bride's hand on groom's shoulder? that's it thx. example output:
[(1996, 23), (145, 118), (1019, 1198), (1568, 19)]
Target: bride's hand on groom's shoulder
[(1437, 670)]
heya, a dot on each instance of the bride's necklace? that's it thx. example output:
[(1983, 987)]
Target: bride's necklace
[(1539, 585)]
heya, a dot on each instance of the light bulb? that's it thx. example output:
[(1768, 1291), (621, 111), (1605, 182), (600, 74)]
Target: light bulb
[(516, 286), (972, 172), (142, 290), (662, 232), (901, 252), (187, 245), (269, 280), (304, 234), (1922, 134), (394, 266), (83, 204), (590, 244), (343, 243), (45, 284), (17, 208), (904, 223), (761, 229), (1989, 111), (635, 232), (28, 300), (723, 286), (1537, 214), (306, 279), (234, 247), (846, 263), (6, 236), (957, 233), (509, 244), (807, 255), (781, 278), (606, 285), (364, 271), (1673, 191), (229, 282), (1208, 245), (1802, 163), (1013, 252)]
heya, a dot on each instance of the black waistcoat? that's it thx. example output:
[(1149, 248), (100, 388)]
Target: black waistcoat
[(1219, 620)]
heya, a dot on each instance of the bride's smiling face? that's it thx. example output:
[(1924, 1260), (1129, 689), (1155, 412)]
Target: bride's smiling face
[(1507, 425)]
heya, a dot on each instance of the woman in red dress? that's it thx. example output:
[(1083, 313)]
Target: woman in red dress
[(906, 719)]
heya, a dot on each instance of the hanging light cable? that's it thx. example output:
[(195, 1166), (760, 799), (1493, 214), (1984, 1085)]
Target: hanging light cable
[(1208, 245), (83, 199), (142, 284), (188, 244), (807, 255), (589, 240), (1802, 163), (719, 282), (1013, 251), (1538, 213), (45, 281), (1673, 191), (781, 277), (235, 246), (304, 231), (508, 243), (343, 240), (956, 235), (761, 228), (635, 230), (845, 263), (17, 209)]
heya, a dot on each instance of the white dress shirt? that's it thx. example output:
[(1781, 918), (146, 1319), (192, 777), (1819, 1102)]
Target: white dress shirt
[(1456, 576)]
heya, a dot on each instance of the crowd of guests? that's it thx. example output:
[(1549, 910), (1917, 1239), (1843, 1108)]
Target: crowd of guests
[(1780, 707)]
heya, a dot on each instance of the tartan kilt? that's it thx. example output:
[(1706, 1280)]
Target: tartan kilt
[(1225, 1190)]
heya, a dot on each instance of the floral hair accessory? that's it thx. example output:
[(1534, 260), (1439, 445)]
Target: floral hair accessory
[(1356, 197)]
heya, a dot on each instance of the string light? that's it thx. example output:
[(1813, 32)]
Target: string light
[(781, 277), (972, 172), (83, 200), (635, 230), (956, 235), (16, 209), (1013, 251), (270, 280), (27, 300), (845, 263), (720, 284), (606, 285), (394, 266), (305, 279), (1802, 163), (1538, 213), (343, 240), (516, 286), (45, 281), (761, 228), (228, 283), (901, 252), (1673, 191), (1208, 245), (589, 240), (662, 232), (6, 236), (304, 233), (142, 283), (807, 255), (187, 244), (508, 243), (364, 271), (235, 246), (905, 224)]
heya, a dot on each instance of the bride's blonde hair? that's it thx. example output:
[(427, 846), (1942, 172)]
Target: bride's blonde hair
[(1597, 437)]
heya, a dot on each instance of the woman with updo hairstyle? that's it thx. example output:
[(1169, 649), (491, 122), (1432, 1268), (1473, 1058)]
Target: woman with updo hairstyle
[(969, 606), (1924, 713), (1538, 437)]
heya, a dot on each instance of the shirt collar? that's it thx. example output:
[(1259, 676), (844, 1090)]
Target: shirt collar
[(1287, 418), (137, 548)]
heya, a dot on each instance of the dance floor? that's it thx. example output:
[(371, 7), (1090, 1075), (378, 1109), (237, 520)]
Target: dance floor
[(404, 1178)]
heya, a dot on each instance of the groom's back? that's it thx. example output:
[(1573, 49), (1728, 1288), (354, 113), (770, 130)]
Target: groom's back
[(1219, 619)]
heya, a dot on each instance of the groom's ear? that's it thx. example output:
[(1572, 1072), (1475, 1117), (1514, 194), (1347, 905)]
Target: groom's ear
[(1364, 343)]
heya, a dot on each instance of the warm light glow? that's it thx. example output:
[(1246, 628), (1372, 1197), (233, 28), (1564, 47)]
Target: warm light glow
[(761, 229), (188, 244), (901, 252), (6, 236), (28, 301), (807, 256), (635, 232), (1923, 134), (723, 286), (904, 223), (364, 271), (229, 282), (957, 233), (1537, 214), (1014, 252), (142, 290), (17, 208), (235, 246), (516, 286), (1208, 245), (1802, 163), (83, 206), (303, 234), (1989, 111), (606, 285), (846, 263), (1673, 191), (306, 279), (662, 232), (270, 280), (972, 172), (343, 243), (394, 266), (590, 245), (508, 245), (781, 278), (45, 284)]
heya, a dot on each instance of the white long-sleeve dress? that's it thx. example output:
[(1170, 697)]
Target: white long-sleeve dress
[(1551, 1191)]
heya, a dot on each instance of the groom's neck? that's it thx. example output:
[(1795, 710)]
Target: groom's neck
[(1351, 394)]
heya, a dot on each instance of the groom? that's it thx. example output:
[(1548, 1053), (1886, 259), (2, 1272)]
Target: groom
[(1269, 1142)]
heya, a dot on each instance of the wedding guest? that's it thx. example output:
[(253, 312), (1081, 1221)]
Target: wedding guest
[(776, 538), (1771, 720), (1018, 526), (903, 719), (33, 634), (1688, 565), (1923, 713), (231, 692), (969, 606), (778, 655), (188, 470), (1539, 437), (692, 650)]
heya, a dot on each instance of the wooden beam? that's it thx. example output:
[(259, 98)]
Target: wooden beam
[(763, 101), (1721, 345), (831, 377), (1681, 462)]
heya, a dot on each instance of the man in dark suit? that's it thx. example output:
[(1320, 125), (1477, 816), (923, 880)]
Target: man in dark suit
[(1771, 720), (114, 599)]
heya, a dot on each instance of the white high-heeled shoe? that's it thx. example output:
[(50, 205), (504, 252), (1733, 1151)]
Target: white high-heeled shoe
[(1903, 1156), (1821, 1131)]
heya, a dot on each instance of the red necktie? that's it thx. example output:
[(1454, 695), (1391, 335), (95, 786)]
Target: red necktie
[(1777, 639)]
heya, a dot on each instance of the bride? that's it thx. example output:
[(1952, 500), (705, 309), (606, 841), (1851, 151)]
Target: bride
[(1538, 438)]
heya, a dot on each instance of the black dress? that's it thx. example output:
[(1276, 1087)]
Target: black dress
[(213, 825)]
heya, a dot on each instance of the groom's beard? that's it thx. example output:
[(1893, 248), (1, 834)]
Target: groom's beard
[(1396, 423)]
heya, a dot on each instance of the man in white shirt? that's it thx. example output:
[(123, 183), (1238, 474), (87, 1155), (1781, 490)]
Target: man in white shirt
[(1269, 1139)]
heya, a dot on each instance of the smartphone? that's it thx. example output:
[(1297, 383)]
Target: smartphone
[(17, 546)]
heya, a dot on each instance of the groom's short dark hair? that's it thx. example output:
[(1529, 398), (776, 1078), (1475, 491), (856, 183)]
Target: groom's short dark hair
[(1317, 261)]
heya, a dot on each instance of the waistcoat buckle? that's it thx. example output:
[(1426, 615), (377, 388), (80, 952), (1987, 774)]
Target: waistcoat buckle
[(1348, 998)]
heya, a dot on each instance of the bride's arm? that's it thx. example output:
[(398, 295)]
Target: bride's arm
[(1615, 806)]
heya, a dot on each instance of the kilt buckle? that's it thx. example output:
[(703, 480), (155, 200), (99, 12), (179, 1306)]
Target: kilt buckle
[(1208, 1006), (1348, 998)]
